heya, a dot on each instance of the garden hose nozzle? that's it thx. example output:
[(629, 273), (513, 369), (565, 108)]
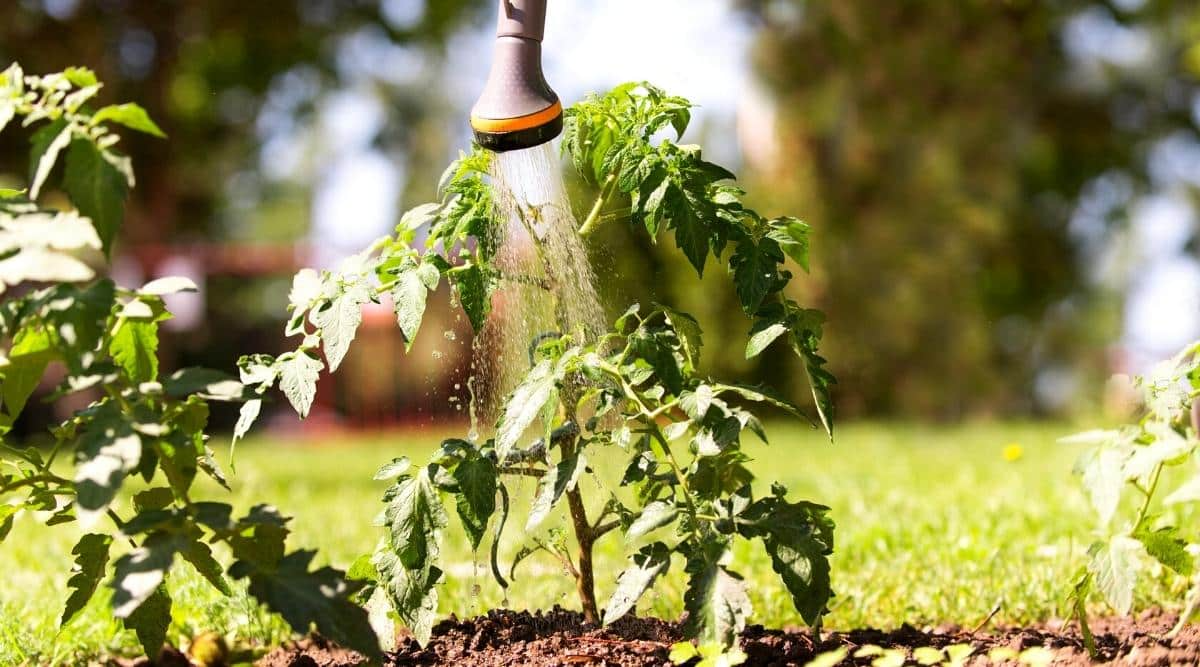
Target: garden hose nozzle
[(517, 108)]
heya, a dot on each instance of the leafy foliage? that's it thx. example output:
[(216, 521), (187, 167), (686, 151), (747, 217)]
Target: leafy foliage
[(695, 505), (1131, 461), (612, 140), (636, 390), (138, 423)]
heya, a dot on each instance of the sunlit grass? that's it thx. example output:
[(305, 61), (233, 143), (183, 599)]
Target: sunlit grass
[(934, 524)]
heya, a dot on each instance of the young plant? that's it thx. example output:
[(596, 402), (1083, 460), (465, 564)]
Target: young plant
[(1124, 472), (633, 392), (142, 423)]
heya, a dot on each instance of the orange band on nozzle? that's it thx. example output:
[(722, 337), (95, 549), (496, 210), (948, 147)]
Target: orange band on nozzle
[(502, 125)]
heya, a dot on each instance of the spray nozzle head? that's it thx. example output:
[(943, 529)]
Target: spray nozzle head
[(517, 108)]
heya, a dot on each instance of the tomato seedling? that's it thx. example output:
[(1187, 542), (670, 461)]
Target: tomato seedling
[(634, 392)]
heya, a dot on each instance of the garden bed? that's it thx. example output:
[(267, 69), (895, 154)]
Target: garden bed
[(561, 638)]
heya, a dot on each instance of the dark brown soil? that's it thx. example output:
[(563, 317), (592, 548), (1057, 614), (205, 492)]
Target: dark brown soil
[(559, 638)]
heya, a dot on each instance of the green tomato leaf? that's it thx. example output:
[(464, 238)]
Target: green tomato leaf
[(134, 348), (805, 338), (46, 144), (31, 352), (415, 518), (474, 293), (1168, 548), (108, 451), (523, 407), (653, 516), (394, 469), (1168, 445), (139, 573), (763, 334), (91, 558), (6, 519), (692, 235), (648, 564), (200, 556), (799, 539), (256, 539), (306, 288), (476, 497), (81, 77), (150, 621), (339, 322), (408, 299), (413, 593), (688, 330), (169, 285), (805, 572), (155, 498), (298, 374), (130, 115), (557, 481), (1115, 565), (206, 383), (97, 188), (1103, 476), (792, 236), (247, 415), (755, 272), (715, 600), (319, 597)]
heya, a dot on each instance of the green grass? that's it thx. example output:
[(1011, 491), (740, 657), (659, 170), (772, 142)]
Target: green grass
[(933, 525)]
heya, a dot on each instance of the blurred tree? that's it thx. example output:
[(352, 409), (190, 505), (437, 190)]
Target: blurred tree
[(939, 150), (237, 84), (206, 71)]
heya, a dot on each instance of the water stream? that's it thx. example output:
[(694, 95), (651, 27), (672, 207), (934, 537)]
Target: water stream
[(548, 285)]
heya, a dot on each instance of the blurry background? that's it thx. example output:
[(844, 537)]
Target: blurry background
[(1003, 193)]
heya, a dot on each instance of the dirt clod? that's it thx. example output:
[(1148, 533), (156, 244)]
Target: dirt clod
[(560, 638)]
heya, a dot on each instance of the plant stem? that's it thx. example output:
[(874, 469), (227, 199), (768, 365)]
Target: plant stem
[(585, 537), (1192, 600), (33, 481), (1144, 511), (519, 470), (592, 222)]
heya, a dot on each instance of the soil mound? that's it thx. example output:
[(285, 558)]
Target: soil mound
[(559, 638)]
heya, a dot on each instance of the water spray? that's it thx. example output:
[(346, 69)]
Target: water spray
[(517, 108)]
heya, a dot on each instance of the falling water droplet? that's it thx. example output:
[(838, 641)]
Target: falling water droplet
[(550, 286)]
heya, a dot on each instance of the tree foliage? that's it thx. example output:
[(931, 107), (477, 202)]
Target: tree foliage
[(942, 151)]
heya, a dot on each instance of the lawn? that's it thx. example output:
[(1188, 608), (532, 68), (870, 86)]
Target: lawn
[(934, 524)]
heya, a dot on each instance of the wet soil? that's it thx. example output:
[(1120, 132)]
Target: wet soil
[(560, 638)]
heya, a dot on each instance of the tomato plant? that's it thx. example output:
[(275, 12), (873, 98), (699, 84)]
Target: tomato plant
[(1123, 471), (634, 392), (142, 423)]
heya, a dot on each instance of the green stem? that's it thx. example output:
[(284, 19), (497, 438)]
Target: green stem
[(1144, 511), (592, 222), (679, 476), (33, 481), (1193, 600), (58, 442), (121, 526)]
